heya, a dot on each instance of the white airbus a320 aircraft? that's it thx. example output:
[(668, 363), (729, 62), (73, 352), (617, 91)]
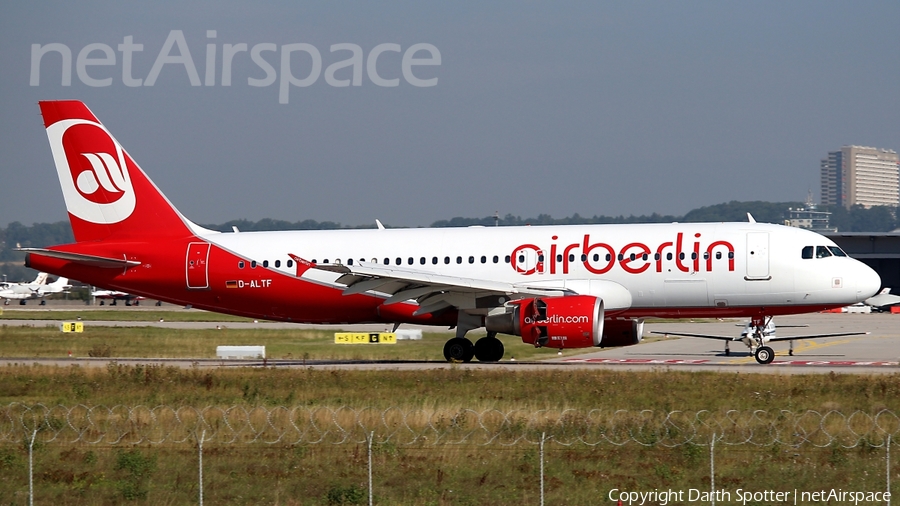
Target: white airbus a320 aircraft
[(555, 286)]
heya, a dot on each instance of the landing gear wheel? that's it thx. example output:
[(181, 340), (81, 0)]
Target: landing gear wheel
[(459, 349), (488, 349), (765, 355)]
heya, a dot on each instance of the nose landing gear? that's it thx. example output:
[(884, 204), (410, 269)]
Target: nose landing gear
[(763, 353)]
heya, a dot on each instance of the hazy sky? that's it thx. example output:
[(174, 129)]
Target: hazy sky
[(590, 108)]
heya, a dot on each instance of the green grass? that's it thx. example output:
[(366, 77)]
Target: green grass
[(449, 389), (119, 315), (327, 475), (428, 472), (157, 342)]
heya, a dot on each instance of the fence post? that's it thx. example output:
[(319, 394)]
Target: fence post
[(31, 469), (371, 437), (712, 468), (887, 458), (543, 436), (200, 465)]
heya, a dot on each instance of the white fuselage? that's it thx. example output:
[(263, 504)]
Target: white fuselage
[(662, 266)]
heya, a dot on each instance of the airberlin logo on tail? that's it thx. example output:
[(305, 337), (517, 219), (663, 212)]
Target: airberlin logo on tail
[(105, 172), (92, 170)]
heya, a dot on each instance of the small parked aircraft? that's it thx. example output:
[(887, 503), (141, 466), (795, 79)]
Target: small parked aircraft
[(37, 289), (756, 336)]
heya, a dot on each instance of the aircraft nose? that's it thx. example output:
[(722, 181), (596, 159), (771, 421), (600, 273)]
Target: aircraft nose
[(868, 282)]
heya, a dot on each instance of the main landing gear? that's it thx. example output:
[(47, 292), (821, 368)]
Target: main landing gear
[(486, 349), (460, 349)]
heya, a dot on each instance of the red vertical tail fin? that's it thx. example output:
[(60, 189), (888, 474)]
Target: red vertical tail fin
[(107, 195)]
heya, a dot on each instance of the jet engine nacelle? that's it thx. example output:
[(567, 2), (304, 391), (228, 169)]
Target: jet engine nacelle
[(574, 321), (622, 333)]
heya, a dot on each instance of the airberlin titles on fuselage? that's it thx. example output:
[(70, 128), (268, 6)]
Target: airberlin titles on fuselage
[(634, 258)]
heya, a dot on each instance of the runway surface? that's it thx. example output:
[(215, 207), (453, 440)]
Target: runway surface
[(878, 352)]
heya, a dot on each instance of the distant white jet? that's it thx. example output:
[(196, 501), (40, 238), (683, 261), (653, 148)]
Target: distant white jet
[(115, 296), (37, 289)]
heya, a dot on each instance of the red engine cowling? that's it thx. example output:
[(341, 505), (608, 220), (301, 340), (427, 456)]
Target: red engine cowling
[(557, 322), (622, 333)]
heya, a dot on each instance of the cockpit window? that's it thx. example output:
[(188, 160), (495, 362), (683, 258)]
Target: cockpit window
[(836, 251), (822, 252), (807, 252)]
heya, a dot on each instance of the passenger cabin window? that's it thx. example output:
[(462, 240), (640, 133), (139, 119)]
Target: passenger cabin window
[(253, 264), (822, 252), (349, 261), (807, 252), (277, 263), (265, 263), (241, 264), (290, 263)]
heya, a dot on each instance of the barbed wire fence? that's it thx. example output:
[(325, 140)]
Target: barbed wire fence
[(121, 425)]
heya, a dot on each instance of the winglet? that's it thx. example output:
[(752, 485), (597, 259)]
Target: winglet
[(378, 223), (302, 264), (750, 218)]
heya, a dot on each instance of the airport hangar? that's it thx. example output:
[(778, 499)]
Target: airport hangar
[(880, 251)]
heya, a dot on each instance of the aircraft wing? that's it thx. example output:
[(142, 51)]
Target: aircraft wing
[(704, 336), (432, 291), (815, 336)]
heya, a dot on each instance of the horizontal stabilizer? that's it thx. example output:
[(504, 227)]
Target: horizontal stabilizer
[(92, 260)]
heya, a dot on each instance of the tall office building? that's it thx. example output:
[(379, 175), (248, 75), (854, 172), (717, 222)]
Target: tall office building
[(861, 175)]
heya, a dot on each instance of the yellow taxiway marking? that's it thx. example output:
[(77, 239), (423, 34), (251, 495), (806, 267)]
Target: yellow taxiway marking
[(800, 345)]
